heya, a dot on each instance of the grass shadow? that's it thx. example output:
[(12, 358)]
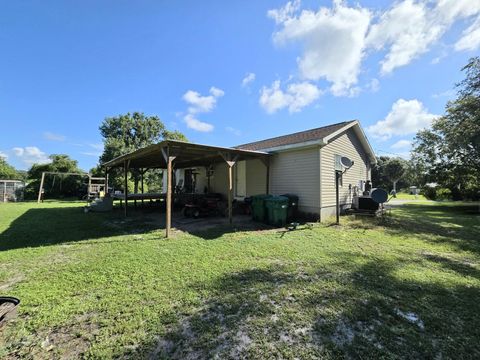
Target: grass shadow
[(56, 225), (457, 225)]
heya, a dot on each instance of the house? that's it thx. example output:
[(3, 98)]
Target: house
[(301, 163)]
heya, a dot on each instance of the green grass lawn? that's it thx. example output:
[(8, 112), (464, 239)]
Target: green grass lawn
[(99, 286), (405, 196)]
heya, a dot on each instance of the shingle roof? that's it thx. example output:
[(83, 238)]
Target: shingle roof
[(295, 138)]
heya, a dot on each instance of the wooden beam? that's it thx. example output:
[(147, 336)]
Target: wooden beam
[(168, 212), (41, 188), (165, 153), (66, 173)]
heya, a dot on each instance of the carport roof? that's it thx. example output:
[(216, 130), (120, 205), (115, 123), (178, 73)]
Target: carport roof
[(186, 155)]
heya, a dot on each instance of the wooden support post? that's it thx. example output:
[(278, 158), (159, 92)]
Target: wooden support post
[(41, 188), (168, 218), (209, 172), (338, 174), (105, 187), (141, 182), (125, 184), (230, 162), (89, 186), (230, 191)]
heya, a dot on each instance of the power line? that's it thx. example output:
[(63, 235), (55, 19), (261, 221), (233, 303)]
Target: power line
[(390, 153)]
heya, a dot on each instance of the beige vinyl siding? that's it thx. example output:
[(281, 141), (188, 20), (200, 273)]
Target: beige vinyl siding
[(345, 144), (256, 177), (297, 172), (219, 181), (240, 179)]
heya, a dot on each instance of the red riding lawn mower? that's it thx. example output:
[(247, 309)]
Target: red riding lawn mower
[(205, 205)]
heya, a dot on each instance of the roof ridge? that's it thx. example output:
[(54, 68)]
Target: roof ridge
[(295, 133)]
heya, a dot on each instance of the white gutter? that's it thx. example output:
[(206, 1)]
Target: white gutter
[(301, 145)]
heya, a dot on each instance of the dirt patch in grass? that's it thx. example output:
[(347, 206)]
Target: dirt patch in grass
[(66, 342), (12, 281)]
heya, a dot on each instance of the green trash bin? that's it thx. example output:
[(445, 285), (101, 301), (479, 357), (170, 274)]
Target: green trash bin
[(292, 207), (259, 212), (277, 209)]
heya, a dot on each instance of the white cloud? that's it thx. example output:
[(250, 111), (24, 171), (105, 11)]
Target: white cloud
[(409, 28), (96, 146), (406, 31), (405, 117), (195, 124), (216, 92), (333, 41), (200, 104), (31, 155), (233, 131), (98, 150), (470, 39), (447, 93), (295, 97), (374, 85), (284, 13), (53, 137), (3, 155), (402, 144), (250, 77)]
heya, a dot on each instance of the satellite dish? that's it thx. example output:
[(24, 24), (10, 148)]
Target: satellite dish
[(346, 162), (379, 195)]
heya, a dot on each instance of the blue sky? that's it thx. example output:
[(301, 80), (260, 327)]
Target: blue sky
[(226, 72)]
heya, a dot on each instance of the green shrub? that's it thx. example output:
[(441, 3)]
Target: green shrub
[(444, 194), (429, 192)]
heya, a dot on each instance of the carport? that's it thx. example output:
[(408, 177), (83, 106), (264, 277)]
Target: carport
[(171, 154)]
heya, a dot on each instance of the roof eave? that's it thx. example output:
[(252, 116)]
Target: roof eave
[(361, 135), (300, 145)]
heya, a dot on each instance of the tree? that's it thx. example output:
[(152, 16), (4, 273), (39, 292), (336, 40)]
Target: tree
[(394, 170), (7, 171), (126, 133), (379, 179), (56, 185), (450, 151), (387, 170)]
